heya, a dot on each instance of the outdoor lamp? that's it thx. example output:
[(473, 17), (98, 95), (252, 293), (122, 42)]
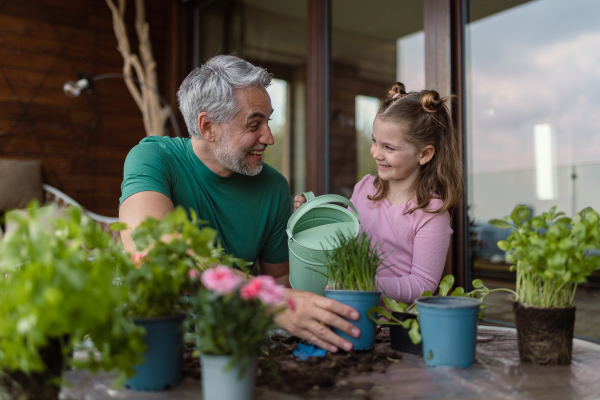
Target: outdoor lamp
[(86, 83)]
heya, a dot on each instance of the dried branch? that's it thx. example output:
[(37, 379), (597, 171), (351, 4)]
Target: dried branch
[(153, 113)]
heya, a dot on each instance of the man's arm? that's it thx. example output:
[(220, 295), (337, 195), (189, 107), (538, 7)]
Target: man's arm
[(281, 272), (139, 206)]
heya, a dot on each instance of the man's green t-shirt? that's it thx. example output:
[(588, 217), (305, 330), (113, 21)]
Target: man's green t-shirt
[(250, 213)]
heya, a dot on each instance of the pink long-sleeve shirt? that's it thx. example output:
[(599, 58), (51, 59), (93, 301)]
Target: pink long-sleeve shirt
[(414, 245)]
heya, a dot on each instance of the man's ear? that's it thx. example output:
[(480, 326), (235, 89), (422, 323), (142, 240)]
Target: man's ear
[(206, 126), (427, 154)]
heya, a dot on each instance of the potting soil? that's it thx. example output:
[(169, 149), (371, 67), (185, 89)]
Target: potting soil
[(282, 372)]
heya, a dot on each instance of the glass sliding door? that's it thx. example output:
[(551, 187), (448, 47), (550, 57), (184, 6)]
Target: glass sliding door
[(532, 83), (374, 44)]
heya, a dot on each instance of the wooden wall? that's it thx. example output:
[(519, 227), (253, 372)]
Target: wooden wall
[(82, 142)]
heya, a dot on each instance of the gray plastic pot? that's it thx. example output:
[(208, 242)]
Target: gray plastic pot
[(218, 384)]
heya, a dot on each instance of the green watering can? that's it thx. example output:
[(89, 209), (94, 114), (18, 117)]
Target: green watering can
[(311, 231)]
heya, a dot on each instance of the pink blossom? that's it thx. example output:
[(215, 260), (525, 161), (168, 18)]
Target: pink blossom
[(251, 290), (138, 258), (220, 280), (291, 304), (193, 273), (270, 291)]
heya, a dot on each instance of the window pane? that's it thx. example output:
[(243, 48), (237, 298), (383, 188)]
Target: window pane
[(278, 154), (532, 84), (366, 110), (374, 44)]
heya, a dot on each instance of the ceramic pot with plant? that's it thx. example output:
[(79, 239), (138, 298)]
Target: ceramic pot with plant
[(351, 267), (58, 285), (551, 255), (232, 318), (157, 280)]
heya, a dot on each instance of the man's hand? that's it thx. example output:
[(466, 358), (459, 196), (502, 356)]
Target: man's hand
[(312, 317), (298, 201)]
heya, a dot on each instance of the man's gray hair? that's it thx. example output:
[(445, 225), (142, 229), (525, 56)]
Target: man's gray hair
[(211, 88)]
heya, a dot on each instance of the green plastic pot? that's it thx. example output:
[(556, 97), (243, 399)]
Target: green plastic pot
[(311, 232)]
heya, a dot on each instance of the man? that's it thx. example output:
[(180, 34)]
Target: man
[(219, 173)]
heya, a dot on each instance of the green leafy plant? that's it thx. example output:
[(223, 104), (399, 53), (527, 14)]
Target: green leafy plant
[(353, 263), (232, 317), (59, 283), (550, 253), (167, 251), (412, 324)]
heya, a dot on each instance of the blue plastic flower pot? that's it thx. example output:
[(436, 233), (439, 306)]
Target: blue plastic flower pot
[(361, 302), (219, 384), (449, 330), (163, 359)]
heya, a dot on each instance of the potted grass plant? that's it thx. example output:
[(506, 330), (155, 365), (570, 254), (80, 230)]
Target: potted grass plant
[(232, 317), (57, 286), (157, 281), (352, 265), (551, 255)]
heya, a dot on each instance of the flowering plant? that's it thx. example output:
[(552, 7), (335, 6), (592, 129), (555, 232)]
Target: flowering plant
[(168, 250), (233, 316)]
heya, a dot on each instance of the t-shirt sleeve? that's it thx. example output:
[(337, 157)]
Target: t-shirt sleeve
[(146, 169), (430, 248), (275, 250)]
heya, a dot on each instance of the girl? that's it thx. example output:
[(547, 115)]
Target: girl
[(405, 208)]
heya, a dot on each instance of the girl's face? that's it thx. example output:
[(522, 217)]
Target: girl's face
[(397, 160)]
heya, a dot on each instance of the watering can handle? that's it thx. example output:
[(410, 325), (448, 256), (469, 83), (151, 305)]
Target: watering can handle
[(308, 196), (313, 203)]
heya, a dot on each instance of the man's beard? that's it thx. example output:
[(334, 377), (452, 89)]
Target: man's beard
[(235, 159)]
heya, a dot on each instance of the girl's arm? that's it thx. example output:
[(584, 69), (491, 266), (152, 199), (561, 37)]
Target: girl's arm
[(428, 259)]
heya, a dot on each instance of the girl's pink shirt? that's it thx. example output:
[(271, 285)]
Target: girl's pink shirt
[(414, 245)]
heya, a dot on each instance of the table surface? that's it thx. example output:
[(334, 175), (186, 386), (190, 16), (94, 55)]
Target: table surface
[(496, 374)]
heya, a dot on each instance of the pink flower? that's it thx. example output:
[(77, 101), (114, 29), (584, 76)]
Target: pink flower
[(291, 304), (250, 290), (138, 258), (194, 274), (270, 291), (220, 280)]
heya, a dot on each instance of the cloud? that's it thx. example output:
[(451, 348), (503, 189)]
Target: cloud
[(556, 83)]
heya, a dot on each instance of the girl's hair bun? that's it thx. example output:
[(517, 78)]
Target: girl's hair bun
[(431, 100), (397, 88)]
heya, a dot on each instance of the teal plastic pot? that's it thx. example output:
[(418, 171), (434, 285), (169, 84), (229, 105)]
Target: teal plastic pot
[(449, 330), (163, 359), (311, 232), (218, 384), (361, 302)]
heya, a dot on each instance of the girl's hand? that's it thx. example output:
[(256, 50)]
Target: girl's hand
[(298, 201)]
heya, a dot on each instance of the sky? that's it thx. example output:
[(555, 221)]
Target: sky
[(538, 63)]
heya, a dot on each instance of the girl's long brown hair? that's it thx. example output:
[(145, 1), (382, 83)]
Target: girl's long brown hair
[(426, 120)]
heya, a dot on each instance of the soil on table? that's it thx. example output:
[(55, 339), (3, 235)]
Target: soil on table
[(282, 372)]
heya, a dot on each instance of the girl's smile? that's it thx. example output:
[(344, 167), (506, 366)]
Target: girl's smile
[(396, 159)]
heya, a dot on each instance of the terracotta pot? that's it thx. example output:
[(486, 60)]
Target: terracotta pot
[(545, 335)]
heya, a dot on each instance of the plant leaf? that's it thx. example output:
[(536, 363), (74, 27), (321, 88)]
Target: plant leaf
[(498, 223), (394, 305)]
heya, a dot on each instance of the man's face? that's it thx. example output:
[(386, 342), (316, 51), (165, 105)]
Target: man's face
[(240, 144)]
